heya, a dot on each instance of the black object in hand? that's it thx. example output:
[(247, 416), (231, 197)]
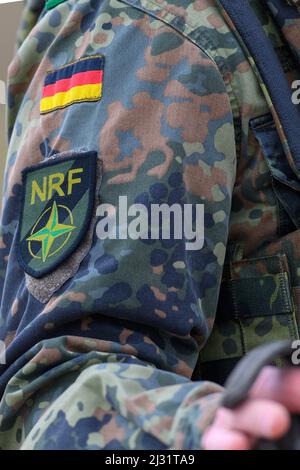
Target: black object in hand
[(243, 377)]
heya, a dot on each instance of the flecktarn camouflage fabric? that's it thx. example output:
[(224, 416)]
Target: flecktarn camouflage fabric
[(103, 336)]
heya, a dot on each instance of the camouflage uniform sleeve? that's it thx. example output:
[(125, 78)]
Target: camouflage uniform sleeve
[(71, 395), (124, 316)]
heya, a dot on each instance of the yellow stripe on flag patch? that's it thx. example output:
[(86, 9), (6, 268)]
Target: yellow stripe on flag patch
[(76, 94)]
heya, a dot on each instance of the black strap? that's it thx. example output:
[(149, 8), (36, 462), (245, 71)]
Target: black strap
[(244, 375), (270, 71)]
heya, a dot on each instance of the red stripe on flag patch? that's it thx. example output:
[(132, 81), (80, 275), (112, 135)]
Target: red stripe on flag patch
[(81, 78)]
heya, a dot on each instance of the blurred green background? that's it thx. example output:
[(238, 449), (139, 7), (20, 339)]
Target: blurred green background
[(9, 20)]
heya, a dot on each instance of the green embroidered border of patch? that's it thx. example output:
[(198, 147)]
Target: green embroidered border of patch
[(53, 3)]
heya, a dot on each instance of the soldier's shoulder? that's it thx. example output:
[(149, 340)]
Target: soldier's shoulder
[(200, 21)]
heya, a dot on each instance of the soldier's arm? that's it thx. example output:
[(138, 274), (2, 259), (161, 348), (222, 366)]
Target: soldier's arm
[(158, 118)]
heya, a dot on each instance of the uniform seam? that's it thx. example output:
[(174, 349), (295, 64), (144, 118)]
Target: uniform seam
[(290, 315), (164, 20), (238, 319), (284, 291)]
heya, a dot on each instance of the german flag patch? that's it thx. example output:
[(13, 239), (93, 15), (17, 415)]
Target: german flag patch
[(76, 82)]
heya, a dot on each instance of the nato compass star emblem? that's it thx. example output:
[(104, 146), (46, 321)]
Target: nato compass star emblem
[(52, 230), (57, 207)]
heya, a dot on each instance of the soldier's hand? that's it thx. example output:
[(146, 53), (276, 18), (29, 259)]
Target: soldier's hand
[(265, 414)]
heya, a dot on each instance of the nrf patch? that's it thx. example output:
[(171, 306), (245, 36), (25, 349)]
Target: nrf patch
[(57, 205)]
